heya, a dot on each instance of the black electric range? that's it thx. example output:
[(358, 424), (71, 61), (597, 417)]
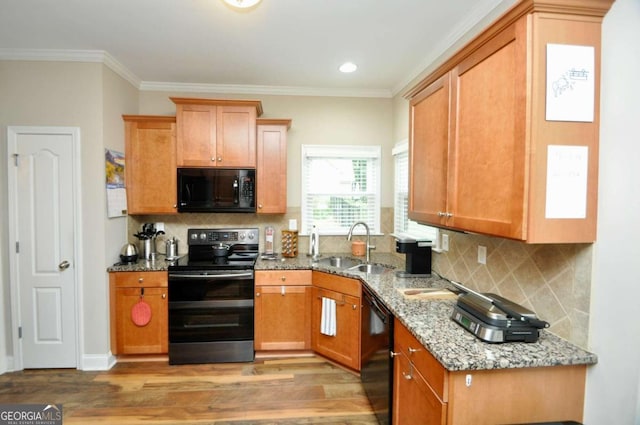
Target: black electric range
[(211, 294)]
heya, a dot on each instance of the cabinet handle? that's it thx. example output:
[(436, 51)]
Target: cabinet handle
[(449, 215), (408, 376), (140, 279), (393, 354), (441, 213), (282, 289), (413, 350)]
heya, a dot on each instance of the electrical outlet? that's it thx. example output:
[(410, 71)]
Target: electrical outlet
[(159, 227), (445, 242), (482, 254)]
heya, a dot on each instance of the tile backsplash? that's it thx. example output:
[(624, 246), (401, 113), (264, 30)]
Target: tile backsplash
[(552, 280)]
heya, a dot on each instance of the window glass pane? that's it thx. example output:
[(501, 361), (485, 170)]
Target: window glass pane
[(340, 187), (402, 223)]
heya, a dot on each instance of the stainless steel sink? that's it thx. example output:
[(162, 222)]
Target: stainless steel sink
[(340, 262), (368, 268)]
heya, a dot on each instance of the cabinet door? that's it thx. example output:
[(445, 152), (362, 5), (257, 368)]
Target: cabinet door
[(413, 400), (344, 347), (429, 153), (150, 150), (196, 144), (283, 318), (149, 339), (236, 136), (488, 166), (271, 170)]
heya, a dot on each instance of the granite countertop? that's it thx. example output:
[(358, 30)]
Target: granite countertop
[(428, 320)]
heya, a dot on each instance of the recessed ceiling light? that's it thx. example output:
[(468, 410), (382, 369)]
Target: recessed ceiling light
[(242, 4), (348, 67)]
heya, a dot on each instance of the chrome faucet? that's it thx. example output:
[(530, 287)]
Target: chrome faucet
[(369, 246)]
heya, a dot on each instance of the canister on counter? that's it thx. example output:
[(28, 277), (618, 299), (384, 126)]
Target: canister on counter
[(268, 240)]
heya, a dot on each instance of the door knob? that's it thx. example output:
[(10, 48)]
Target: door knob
[(64, 265)]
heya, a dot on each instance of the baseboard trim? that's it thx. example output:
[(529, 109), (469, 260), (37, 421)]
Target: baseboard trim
[(97, 362)]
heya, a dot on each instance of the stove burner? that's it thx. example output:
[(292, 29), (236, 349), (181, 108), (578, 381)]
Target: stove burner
[(243, 250)]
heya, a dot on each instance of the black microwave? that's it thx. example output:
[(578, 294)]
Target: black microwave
[(216, 190)]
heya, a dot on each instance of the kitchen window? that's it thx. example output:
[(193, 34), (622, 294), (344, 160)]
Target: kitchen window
[(402, 224), (340, 185)]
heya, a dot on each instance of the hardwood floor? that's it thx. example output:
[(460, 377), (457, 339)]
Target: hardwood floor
[(303, 390)]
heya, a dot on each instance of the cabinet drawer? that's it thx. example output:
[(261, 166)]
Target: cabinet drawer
[(139, 279), (341, 284), (283, 277), (427, 365)]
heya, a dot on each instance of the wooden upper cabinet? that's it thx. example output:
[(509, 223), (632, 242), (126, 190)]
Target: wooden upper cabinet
[(480, 120), (150, 152), (429, 152), (272, 166), (216, 132)]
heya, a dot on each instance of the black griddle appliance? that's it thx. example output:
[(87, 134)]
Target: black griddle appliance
[(495, 319)]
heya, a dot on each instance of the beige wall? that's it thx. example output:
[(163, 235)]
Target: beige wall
[(89, 96)]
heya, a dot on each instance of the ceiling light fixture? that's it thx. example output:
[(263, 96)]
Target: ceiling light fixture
[(348, 67), (242, 4)]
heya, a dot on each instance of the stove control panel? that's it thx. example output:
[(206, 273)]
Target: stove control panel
[(226, 236)]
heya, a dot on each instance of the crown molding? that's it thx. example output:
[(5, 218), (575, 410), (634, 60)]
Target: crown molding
[(265, 90), (59, 55), (101, 56)]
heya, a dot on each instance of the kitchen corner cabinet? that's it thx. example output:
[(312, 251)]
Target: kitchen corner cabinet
[(150, 153), (344, 347), (282, 310), (125, 290), (424, 392), (479, 137), (216, 132), (271, 172)]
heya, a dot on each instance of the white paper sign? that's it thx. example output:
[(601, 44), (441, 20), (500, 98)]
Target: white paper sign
[(570, 83), (567, 169)]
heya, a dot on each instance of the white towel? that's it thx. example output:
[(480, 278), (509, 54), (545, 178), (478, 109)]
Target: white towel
[(328, 318)]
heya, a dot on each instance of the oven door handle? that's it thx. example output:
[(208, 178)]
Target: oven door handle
[(186, 305), (211, 276)]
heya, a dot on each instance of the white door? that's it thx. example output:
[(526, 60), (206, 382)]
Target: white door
[(42, 219)]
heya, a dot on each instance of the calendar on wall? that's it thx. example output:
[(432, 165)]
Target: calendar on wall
[(116, 191)]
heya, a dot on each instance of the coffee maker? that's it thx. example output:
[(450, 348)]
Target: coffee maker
[(418, 256)]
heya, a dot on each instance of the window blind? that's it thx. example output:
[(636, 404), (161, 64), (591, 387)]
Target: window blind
[(401, 222), (340, 186)]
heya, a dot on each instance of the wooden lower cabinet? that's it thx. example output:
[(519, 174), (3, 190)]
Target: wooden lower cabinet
[(426, 393), (344, 347), (282, 310), (126, 289)]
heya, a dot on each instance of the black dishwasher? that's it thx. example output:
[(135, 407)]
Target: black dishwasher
[(376, 363)]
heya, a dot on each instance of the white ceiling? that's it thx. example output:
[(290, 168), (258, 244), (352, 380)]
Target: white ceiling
[(285, 45)]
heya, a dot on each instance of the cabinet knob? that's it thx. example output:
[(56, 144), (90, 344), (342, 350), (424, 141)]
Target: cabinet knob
[(257, 294), (392, 354), (175, 206), (164, 296), (283, 278), (219, 159), (140, 279), (260, 206), (441, 213)]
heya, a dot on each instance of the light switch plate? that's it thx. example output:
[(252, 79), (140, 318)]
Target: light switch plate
[(482, 254), (445, 242)]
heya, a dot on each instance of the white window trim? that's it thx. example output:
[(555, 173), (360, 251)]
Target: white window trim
[(344, 151), (433, 232)]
